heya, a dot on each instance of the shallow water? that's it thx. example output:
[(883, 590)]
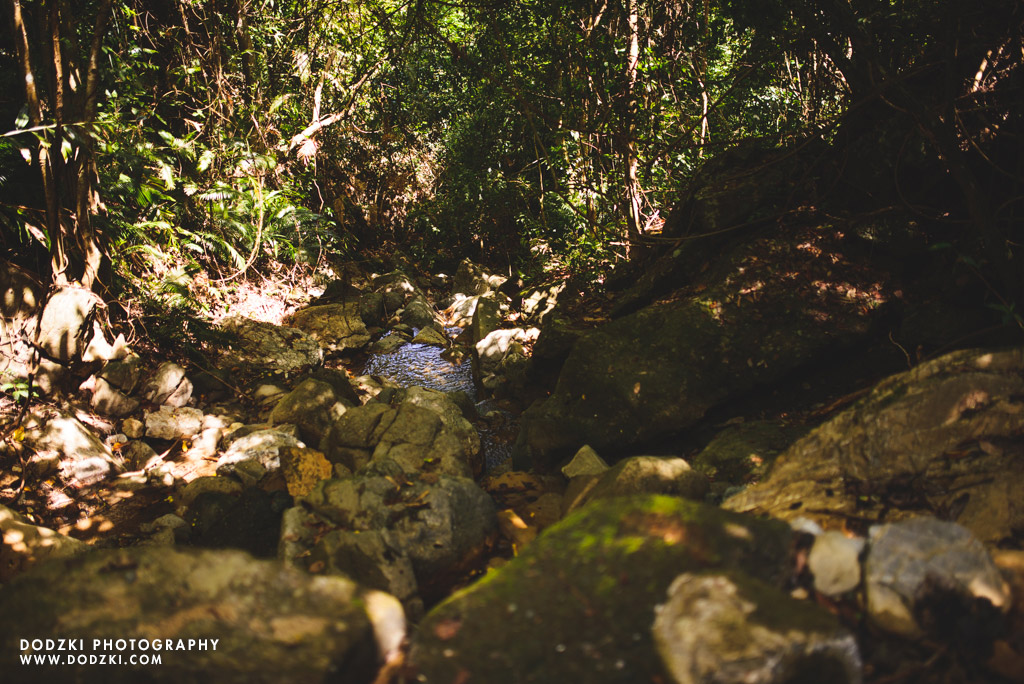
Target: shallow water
[(421, 365)]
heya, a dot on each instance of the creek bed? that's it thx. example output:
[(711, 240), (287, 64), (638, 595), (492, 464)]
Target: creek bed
[(421, 365)]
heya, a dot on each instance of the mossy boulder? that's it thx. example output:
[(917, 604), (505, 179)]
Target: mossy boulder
[(270, 623), (656, 372), (578, 604)]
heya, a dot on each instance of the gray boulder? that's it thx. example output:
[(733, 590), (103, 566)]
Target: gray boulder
[(25, 544), (173, 423), (335, 326), (240, 619), (267, 346), (472, 279), (84, 459), (311, 407), (646, 475), (917, 569), (407, 536), (418, 313), (168, 386)]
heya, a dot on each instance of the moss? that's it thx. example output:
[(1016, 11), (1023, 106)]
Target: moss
[(577, 605)]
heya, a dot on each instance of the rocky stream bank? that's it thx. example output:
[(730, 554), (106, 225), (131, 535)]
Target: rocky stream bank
[(746, 476)]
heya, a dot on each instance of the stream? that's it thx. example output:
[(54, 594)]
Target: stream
[(421, 365)]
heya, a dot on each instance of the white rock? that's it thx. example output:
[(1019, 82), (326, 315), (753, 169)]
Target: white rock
[(834, 562), (174, 423)]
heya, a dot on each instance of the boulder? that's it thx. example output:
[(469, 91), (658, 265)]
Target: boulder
[(745, 451), (647, 475), (418, 313), (66, 323), (726, 628), (84, 459), (312, 406), (540, 301), (24, 544), (267, 346), (168, 386), (433, 526), (834, 561), (472, 279), (938, 438), (388, 344), (261, 447), (578, 603), (422, 431), (430, 336), (335, 326), (216, 615), (585, 462), (927, 576), (486, 319), (657, 371), (173, 423)]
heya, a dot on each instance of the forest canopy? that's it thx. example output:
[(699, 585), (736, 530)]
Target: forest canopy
[(147, 141)]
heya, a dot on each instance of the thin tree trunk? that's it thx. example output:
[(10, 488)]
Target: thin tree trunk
[(634, 219)]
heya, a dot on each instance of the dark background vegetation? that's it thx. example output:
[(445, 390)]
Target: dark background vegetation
[(182, 137)]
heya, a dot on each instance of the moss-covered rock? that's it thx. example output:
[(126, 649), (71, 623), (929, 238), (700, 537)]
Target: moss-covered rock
[(657, 371), (578, 604), (270, 623)]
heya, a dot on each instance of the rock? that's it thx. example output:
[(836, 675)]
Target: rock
[(66, 323), (270, 347), (460, 311), (922, 573), (168, 386), (585, 462), (98, 349), (434, 526), (339, 380), (834, 561), (371, 308), (430, 336), (25, 544), (133, 428), (648, 475), (539, 302), (945, 428), (301, 628), (311, 407), (303, 468), (204, 447), (451, 413), (658, 371), (108, 400), (335, 326), (138, 455), (21, 293), (727, 628), (124, 374), (745, 451), (471, 279), (250, 520), (262, 447), (85, 460), (396, 288), (173, 423), (501, 358), (577, 604), (486, 319), (388, 344), (418, 313), (209, 483), (424, 431)]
